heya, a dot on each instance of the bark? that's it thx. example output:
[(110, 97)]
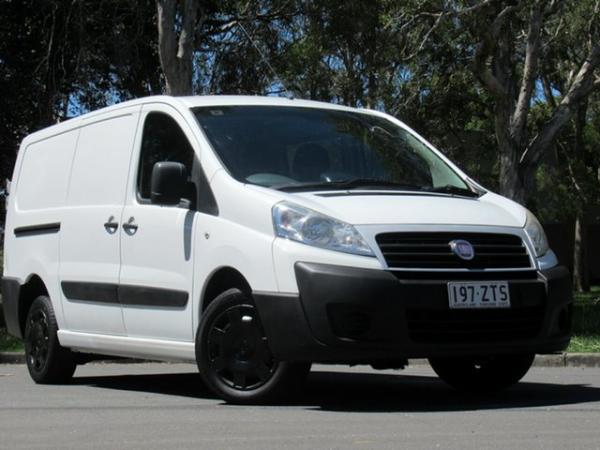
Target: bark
[(580, 273), (176, 49), (511, 184), (532, 54)]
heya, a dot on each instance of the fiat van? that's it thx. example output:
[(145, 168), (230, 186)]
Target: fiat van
[(255, 236)]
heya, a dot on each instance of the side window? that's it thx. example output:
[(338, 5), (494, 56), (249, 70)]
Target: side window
[(162, 140)]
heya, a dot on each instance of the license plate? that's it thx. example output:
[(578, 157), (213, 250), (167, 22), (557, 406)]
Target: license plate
[(491, 294)]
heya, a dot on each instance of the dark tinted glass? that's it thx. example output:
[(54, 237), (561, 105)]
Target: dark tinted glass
[(163, 140), (275, 146)]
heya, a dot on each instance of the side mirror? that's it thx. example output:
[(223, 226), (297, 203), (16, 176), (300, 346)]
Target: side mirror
[(167, 185)]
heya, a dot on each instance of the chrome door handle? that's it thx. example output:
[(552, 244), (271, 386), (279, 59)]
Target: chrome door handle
[(110, 225), (130, 226)]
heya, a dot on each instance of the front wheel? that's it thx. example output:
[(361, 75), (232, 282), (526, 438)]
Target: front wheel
[(233, 355), (482, 374)]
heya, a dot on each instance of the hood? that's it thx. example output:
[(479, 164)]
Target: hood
[(368, 208)]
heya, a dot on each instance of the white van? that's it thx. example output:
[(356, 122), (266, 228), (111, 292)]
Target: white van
[(255, 236)]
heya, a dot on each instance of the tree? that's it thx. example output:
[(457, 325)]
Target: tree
[(58, 59), (512, 41)]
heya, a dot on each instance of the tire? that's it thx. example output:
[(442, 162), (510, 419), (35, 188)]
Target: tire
[(483, 374), (233, 356), (48, 362)]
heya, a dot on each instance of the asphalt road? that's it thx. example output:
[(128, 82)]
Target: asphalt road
[(164, 406)]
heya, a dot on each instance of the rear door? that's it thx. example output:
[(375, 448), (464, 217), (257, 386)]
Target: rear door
[(156, 277), (90, 254)]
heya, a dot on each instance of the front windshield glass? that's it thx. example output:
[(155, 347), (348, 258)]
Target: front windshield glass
[(295, 148)]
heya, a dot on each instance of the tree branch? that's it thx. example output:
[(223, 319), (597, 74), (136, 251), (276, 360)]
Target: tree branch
[(485, 50), (572, 176), (580, 88), (186, 40), (426, 37), (548, 91)]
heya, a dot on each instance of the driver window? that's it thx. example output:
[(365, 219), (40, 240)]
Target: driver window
[(163, 140)]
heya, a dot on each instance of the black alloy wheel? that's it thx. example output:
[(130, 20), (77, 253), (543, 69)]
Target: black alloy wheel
[(47, 361), (233, 354)]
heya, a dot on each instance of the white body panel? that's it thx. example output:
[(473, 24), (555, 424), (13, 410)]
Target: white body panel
[(159, 254), (418, 209), (83, 172), (129, 347), (89, 252)]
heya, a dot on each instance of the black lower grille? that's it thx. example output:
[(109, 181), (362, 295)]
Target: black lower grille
[(472, 275), (432, 250), (449, 326)]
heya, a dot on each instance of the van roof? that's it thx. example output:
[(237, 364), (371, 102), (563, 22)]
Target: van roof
[(219, 100), (180, 102)]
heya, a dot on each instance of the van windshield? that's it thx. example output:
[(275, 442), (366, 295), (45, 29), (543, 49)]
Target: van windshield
[(297, 148)]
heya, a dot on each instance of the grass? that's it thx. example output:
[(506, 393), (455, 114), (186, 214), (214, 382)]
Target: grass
[(586, 322), (588, 297), (9, 343), (585, 344)]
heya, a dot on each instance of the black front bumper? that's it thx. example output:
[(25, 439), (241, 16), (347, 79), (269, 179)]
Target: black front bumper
[(352, 315)]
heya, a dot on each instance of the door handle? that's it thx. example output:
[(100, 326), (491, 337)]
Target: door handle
[(130, 226), (110, 225)]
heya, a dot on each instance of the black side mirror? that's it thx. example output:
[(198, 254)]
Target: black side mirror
[(167, 185)]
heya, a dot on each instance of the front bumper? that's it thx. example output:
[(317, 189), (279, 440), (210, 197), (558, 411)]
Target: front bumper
[(351, 315)]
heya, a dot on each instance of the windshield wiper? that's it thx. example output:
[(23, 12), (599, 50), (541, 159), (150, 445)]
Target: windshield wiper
[(354, 183), (453, 190)]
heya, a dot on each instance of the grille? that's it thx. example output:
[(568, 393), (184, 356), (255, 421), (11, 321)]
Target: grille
[(432, 251), (429, 326)]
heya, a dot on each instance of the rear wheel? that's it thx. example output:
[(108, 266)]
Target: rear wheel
[(482, 374), (48, 362), (234, 358)]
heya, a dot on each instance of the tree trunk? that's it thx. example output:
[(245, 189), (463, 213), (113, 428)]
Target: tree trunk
[(511, 184), (580, 260), (580, 273), (176, 52)]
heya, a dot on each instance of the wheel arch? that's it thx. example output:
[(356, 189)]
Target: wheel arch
[(219, 281), (30, 290)]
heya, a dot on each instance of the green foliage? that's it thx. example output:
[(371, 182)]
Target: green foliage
[(585, 344), (9, 343)]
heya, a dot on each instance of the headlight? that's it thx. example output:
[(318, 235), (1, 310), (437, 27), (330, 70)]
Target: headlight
[(534, 230), (312, 228)]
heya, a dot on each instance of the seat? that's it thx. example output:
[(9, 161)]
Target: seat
[(310, 162)]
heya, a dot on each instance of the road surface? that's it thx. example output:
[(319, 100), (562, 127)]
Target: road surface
[(163, 406)]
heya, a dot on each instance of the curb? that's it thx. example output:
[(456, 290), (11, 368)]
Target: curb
[(12, 358), (589, 360)]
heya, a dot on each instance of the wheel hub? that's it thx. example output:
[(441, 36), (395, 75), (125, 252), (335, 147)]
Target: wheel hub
[(238, 349), (37, 341)]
